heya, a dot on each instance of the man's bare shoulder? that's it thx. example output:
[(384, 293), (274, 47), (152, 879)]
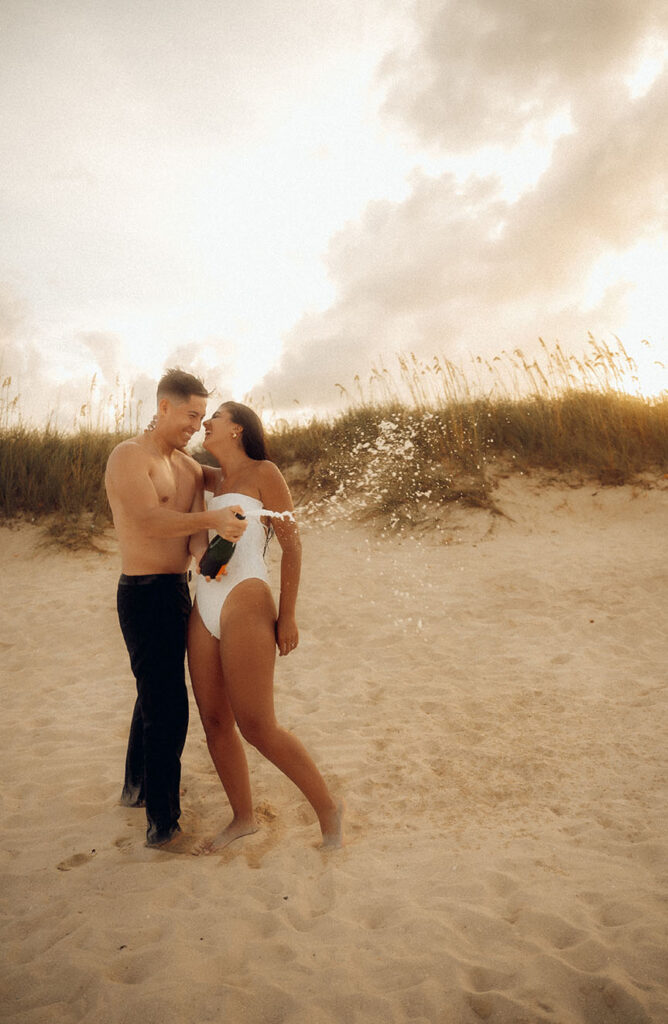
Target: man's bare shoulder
[(128, 452), (188, 464)]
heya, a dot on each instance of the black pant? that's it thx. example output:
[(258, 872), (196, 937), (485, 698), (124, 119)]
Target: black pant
[(153, 612)]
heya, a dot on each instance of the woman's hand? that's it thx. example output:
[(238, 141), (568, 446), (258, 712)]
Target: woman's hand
[(287, 634)]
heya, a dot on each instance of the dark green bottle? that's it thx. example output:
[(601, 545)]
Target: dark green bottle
[(214, 560)]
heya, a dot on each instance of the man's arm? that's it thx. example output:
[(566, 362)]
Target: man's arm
[(132, 495), (198, 542)]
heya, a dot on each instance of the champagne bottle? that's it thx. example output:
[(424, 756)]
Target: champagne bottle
[(216, 557)]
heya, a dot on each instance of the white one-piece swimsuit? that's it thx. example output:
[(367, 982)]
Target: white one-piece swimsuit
[(246, 563)]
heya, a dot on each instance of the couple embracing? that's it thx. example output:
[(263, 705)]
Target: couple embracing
[(156, 493)]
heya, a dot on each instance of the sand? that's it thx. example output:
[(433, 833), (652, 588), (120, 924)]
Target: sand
[(491, 700)]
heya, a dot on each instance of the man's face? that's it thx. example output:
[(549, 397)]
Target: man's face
[(184, 419)]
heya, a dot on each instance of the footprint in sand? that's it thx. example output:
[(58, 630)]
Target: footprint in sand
[(75, 861), (266, 816)]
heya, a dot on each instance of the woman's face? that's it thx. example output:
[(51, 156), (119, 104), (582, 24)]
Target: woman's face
[(219, 429)]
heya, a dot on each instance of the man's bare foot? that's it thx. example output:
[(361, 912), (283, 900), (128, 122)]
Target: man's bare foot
[(331, 825), (235, 830)]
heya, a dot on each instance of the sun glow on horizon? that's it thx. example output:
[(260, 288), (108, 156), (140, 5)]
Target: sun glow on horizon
[(640, 272), (279, 204)]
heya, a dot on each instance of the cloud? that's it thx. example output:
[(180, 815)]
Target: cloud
[(12, 312), (106, 351), (156, 179), (481, 69), (89, 380), (78, 384), (203, 360), (20, 360), (456, 268)]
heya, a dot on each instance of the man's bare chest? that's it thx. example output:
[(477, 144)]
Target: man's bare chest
[(174, 485)]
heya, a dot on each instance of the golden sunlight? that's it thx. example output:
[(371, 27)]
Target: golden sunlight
[(642, 272)]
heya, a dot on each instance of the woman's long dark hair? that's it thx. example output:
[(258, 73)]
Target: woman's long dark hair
[(252, 436)]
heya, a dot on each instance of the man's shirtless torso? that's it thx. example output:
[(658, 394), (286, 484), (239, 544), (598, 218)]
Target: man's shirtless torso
[(138, 477)]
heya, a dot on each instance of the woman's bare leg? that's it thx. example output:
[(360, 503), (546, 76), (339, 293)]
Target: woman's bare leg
[(222, 737), (248, 653)]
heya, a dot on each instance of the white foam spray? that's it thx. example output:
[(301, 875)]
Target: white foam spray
[(257, 512)]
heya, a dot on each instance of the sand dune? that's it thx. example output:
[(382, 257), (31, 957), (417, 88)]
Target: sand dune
[(491, 700)]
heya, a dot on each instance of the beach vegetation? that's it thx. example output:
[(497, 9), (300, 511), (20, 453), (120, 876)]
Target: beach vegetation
[(410, 441)]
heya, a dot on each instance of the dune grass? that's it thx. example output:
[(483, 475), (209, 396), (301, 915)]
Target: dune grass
[(57, 476), (431, 433), (391, 461), (404, 445)]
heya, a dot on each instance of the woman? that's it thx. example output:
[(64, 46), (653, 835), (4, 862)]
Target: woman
[(234, 630)]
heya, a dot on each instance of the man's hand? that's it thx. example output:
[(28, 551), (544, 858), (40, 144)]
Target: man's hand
[(226, 523)]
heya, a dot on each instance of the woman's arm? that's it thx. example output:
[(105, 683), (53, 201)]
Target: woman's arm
[(212, 476), (276, 497)]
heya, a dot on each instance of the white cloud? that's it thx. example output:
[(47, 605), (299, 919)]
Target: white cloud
[(459, 267), (106, 351), (12, 314), (162, 180), (169, 185), (481, 69), (204, 361)]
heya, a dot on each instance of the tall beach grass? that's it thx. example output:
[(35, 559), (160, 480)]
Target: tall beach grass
[(407, 442), (430, 433), (57, 476)]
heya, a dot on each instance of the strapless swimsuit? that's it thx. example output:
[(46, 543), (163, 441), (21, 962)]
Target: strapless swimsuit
[(247, 562)]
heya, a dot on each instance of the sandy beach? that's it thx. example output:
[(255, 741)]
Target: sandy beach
[(489, 697)]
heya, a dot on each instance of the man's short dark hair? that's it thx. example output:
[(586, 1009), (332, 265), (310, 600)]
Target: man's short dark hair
[(180, 385)]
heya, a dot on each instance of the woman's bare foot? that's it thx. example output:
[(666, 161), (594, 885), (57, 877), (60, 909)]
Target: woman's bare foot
[(235, 830), (331, 825)]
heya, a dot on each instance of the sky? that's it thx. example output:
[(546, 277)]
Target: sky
[(281, 197)]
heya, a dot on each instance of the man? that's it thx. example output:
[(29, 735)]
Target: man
[(152, 486)]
